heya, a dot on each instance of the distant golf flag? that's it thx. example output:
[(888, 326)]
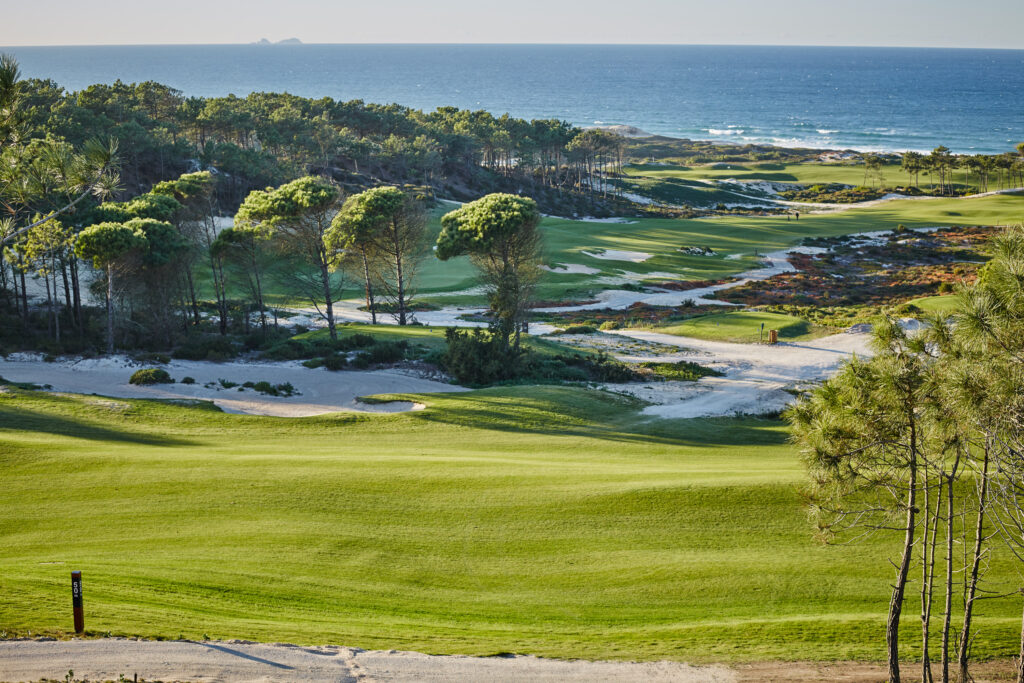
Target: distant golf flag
[(76, 601)]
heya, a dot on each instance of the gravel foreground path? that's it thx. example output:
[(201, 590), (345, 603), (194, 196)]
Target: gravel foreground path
[(245, 662)]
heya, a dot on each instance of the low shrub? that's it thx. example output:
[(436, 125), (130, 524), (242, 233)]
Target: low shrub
[(683, 370), (151, 376), (188, 380), (213, 347), (386, 352), (264, 387), (479, 358), (335, 362), (579, 329)]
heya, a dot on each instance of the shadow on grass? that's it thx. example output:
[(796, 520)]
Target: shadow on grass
[(583, 413), (17, 418)]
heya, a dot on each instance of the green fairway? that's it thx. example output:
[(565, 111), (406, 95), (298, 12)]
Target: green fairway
[(744, 326), (445, 283), (805, 173), (552, 521), (945, 303)]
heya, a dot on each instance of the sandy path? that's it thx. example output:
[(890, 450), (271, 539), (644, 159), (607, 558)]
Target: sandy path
[(322, 391), (238, 661), (756, 375)]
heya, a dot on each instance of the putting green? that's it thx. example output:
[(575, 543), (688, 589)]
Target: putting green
[(744, 326)]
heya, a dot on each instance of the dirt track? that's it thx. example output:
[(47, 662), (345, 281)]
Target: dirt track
[(244, 662)]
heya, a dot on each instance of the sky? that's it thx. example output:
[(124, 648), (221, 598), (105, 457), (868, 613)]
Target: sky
[(912, 23)]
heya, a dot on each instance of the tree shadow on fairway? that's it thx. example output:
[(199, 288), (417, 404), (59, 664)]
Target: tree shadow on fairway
[(18, 419), (575, 412)]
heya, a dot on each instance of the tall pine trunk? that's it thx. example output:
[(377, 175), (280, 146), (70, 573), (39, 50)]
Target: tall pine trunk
[(110, 309), (972, 585), (948, 611), (325, 277), (369, 287), (892, 628)]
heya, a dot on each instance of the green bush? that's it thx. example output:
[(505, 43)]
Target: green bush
[(151, 376), (386, 352), (683, 370), (213, 347), (309, 348), (188, 380), (264, 387), (579, 329), (335, 362), (479, 358)]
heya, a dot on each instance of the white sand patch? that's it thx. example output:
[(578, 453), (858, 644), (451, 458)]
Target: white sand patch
[(571, 268), (614, 219), (638, 198), (235, 661), (756, 375), (321, 391), (734, 257), (619, 255)]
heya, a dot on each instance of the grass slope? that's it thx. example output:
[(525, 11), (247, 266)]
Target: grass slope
[(550, 520), (943, 303), (744, 326), (806, 173)]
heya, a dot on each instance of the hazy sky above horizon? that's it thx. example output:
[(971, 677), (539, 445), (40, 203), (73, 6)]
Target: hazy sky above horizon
[(934, 23)]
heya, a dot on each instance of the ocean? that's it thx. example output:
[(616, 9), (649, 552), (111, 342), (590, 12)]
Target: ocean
[(870, 99)]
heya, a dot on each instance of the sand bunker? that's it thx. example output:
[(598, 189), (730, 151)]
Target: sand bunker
[(571, 268), (320, 391), (618, 255), (757, 376)]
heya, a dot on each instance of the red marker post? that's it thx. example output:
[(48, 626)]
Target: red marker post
[(76, 601)]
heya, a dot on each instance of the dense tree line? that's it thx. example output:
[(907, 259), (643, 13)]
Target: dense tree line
[(98, 175), (270, 138), (984, 171)]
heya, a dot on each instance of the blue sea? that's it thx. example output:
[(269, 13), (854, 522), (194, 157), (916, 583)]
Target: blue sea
[(879, 99)]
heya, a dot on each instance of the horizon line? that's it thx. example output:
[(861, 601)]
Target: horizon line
[(518, 44)]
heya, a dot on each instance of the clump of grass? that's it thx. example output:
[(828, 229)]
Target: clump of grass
[(578, 329), (25, 386), (284, 389), (151, 376), (681, 371)]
